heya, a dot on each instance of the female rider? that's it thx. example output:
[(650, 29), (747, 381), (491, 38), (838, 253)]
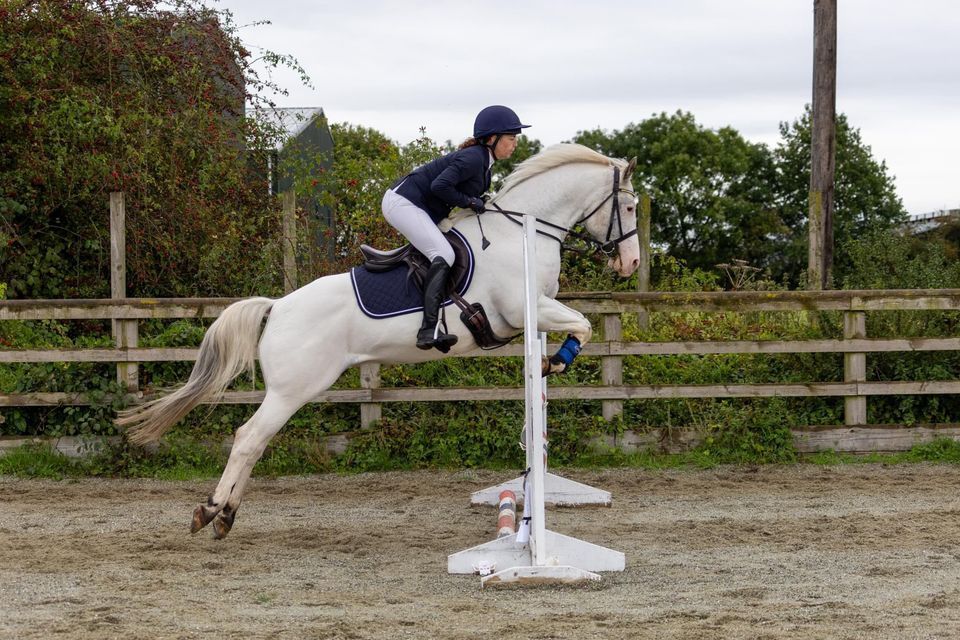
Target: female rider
[(416, 203)]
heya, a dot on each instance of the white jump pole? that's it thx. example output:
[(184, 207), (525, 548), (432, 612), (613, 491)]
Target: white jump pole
[(557, 490), (534, 400), (534, 555)]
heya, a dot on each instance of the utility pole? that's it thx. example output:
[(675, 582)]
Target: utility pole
[(823, 144)]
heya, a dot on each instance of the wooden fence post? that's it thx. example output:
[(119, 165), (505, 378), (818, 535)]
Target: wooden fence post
[(643, 271), (289, 241), (125, 334), (854, 367), (611, 367), (370, 379)]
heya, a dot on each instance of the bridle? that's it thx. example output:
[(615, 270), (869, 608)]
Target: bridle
[(608, 247), (611, 245)]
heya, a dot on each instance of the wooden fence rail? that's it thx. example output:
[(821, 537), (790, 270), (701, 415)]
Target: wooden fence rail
[(609, 346)]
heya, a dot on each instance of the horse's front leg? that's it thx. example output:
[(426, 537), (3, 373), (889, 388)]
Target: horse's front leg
[(554, 316)]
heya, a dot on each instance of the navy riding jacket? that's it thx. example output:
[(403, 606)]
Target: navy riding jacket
[(447, 182)]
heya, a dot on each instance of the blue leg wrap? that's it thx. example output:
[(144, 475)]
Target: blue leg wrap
[(567, 352)]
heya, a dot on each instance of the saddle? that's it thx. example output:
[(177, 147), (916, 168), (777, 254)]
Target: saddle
[(472, 314)]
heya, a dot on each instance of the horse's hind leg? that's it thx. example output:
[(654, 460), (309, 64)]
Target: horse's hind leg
[(248, 445)]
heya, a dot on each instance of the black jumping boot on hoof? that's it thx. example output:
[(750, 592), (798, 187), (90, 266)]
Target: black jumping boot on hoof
[(432, 331)]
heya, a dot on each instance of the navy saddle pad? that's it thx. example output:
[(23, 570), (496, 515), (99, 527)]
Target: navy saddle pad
[(393, 293)]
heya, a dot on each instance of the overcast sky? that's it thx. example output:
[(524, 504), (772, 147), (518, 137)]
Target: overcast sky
[(567, 66)]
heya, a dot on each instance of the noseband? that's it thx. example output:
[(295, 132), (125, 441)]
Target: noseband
[(610, 245)]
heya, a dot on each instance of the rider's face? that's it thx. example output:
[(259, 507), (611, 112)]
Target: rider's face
[(505, 146)]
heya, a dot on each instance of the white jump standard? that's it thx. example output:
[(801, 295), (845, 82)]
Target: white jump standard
[(557, 491), (535, 555)]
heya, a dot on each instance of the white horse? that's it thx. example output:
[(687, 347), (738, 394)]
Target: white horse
[(316, 332)]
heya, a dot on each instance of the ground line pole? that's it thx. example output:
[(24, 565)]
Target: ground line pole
[(823, 144)]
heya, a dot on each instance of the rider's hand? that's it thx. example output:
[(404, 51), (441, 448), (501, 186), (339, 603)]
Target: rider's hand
[(477, 205)]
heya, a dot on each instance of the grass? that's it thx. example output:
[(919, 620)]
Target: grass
[(38, 461), (191, 460), (644, 460)]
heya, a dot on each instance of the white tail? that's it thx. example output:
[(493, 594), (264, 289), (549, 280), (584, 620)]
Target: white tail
[(228, 348)]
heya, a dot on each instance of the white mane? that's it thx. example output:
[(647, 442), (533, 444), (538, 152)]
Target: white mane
[(551, 157), (554, 156)]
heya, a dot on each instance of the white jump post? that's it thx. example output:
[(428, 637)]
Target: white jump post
[(535, 555), (557, 490)]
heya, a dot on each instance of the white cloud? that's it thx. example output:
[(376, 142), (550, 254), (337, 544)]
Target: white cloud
[(573, 65)]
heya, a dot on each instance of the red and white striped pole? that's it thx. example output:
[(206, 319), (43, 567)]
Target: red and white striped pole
[(507, 514)]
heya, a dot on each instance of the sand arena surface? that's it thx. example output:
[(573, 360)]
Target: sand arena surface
[(779, 552)]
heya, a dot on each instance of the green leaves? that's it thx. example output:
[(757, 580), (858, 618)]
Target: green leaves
[(718, 198), (865, 195), (141, 96), (712, 190)]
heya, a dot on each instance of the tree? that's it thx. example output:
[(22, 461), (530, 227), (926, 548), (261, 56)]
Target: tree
[(365, 163), (718, 198), (712, 191), (145, 97), (865, 194)]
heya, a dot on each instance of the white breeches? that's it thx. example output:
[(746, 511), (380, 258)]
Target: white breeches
[(416, 226)]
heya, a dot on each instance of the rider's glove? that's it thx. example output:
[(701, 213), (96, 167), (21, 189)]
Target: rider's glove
[(477, 205)]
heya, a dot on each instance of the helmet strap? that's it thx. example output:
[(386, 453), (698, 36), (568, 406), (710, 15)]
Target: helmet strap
[(491, 146)]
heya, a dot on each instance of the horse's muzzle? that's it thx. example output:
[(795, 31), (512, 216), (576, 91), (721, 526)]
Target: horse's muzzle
[(624, 268)]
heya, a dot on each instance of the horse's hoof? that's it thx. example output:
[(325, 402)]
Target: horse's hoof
[(221, 527), (200, 518), (220, 530), (548, 367)]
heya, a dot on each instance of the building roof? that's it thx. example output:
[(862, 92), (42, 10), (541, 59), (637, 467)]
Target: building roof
[(292, 120), (924, 222)]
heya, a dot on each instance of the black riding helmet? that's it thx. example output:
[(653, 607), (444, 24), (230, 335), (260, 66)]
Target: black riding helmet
[(496, 120)]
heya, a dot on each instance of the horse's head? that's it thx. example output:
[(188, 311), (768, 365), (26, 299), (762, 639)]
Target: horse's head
[(613, 222), (567, 185)]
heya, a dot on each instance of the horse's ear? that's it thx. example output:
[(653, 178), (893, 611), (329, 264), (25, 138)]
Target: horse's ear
[(631, 165)]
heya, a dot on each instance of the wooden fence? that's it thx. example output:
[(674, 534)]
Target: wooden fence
[(608, 345)]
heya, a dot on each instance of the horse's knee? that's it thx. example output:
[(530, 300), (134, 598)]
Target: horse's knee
[(582, 331)]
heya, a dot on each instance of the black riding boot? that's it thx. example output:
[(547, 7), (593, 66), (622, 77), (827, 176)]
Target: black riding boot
[(434, 289)]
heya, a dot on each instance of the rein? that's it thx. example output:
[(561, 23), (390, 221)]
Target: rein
[(607, 247)]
